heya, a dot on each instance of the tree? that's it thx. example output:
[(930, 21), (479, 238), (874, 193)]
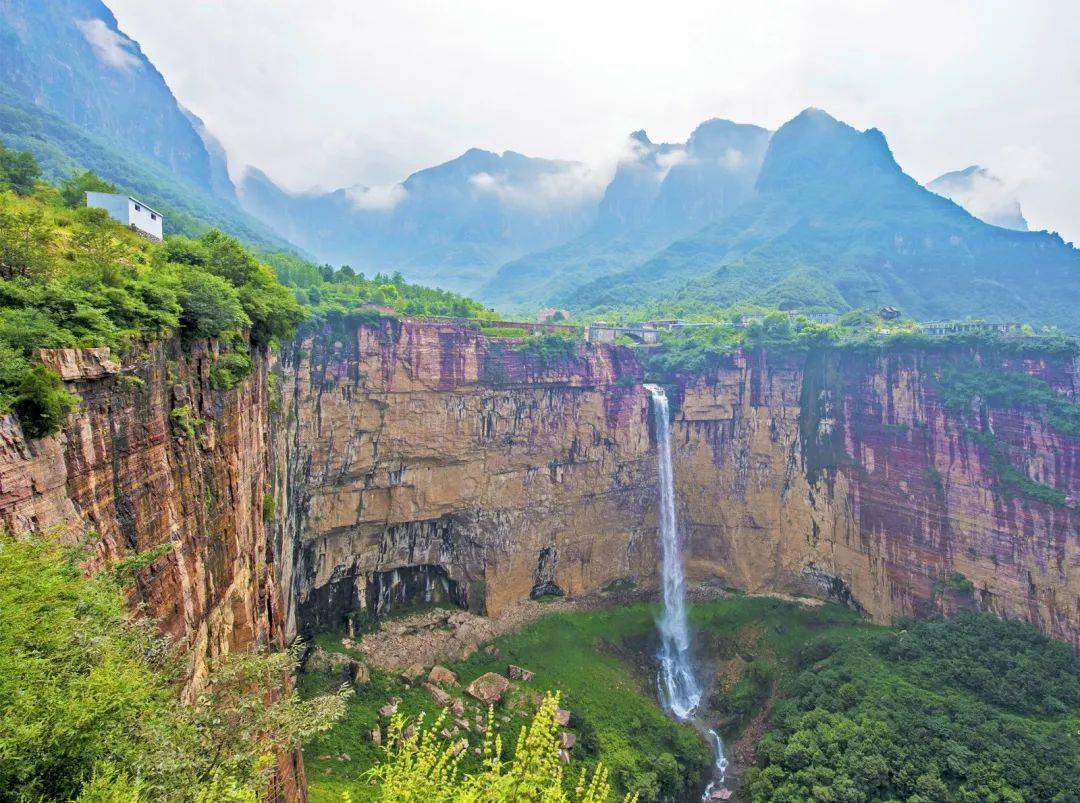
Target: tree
[(89, 697), (74, 189), (19, 171), (25, 238)]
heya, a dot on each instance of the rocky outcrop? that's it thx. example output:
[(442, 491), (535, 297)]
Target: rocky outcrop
[(425, 462)]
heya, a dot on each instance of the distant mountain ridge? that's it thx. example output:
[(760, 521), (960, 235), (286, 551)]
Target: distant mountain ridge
[(659, 192), (834, 223), (452, 224)]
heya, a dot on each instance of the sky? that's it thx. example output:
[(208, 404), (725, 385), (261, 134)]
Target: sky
[(346, 92)]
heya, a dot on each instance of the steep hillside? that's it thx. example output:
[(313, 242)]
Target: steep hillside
[(69, 57), (450, 225), (832, 202), (659, 193), (80, 95)]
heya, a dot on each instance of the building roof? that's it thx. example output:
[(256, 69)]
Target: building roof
[(122, 195), (145, 205)]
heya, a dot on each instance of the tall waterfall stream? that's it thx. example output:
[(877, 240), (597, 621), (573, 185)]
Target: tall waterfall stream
[(679, 689)]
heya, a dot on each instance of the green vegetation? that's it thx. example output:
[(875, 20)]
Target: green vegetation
[(343, 297), (421, 768), (74, 189), (548, 349), (960, 388), (75, 278), (1010, 479), (613, 710), (695, 349), (19, 171), (971, 709), (89, 697)]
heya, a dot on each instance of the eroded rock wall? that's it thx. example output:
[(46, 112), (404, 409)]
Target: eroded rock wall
[(423, 446), (847, 477), (156, 455), (426, 456)]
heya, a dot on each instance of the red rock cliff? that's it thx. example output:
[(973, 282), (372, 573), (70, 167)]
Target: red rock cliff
[(156, 455), (425, 459)]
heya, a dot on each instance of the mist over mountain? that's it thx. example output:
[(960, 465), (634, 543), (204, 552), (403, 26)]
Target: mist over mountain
[(69, 57), (452, 224), (834, 224), (660, 191), (983, 194), (80, 95)]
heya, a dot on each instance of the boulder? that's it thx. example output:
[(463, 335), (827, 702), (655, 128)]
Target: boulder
[(562, 716), (488, 688), (376, 735), (441, 676), (564, 757), (413, 672), (567, 740), (349, 669), (458, 707), (389, 709), (441, 698), (519, 673)]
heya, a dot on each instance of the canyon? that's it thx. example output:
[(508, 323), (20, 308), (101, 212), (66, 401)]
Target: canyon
[(367, 469)]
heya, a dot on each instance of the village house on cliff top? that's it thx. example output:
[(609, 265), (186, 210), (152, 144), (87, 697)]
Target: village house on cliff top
[(132, 213)]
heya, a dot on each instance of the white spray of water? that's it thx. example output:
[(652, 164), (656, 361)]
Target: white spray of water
[(680, 691)]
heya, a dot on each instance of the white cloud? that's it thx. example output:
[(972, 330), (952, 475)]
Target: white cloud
[(572, 186), (110, 47), (733, 159), (371, 92), (377, 199)]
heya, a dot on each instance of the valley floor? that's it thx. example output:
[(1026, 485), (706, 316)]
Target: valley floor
[(823, 684)]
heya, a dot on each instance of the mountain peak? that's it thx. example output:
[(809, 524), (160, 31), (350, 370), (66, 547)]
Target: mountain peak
[(815, 148)]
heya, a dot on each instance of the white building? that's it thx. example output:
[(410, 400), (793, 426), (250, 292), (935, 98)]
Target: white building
[(132, 213)]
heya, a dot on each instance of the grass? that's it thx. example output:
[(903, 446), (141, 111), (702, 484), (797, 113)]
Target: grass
[(602, 662), (965, 705)]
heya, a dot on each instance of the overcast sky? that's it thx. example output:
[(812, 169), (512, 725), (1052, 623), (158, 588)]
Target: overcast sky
[(340, 92)]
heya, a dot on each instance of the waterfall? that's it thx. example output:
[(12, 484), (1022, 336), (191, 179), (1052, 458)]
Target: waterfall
[(680, 691)]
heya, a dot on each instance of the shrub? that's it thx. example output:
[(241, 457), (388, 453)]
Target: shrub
[(19, 171), (422, 768), (549, 348), (211, 306), (89, 697), (73, 190), (43, 403), (229, 369)]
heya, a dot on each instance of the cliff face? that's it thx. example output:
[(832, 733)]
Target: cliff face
[(414, 462), (426, 461), (154, 455), (849, 478)]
